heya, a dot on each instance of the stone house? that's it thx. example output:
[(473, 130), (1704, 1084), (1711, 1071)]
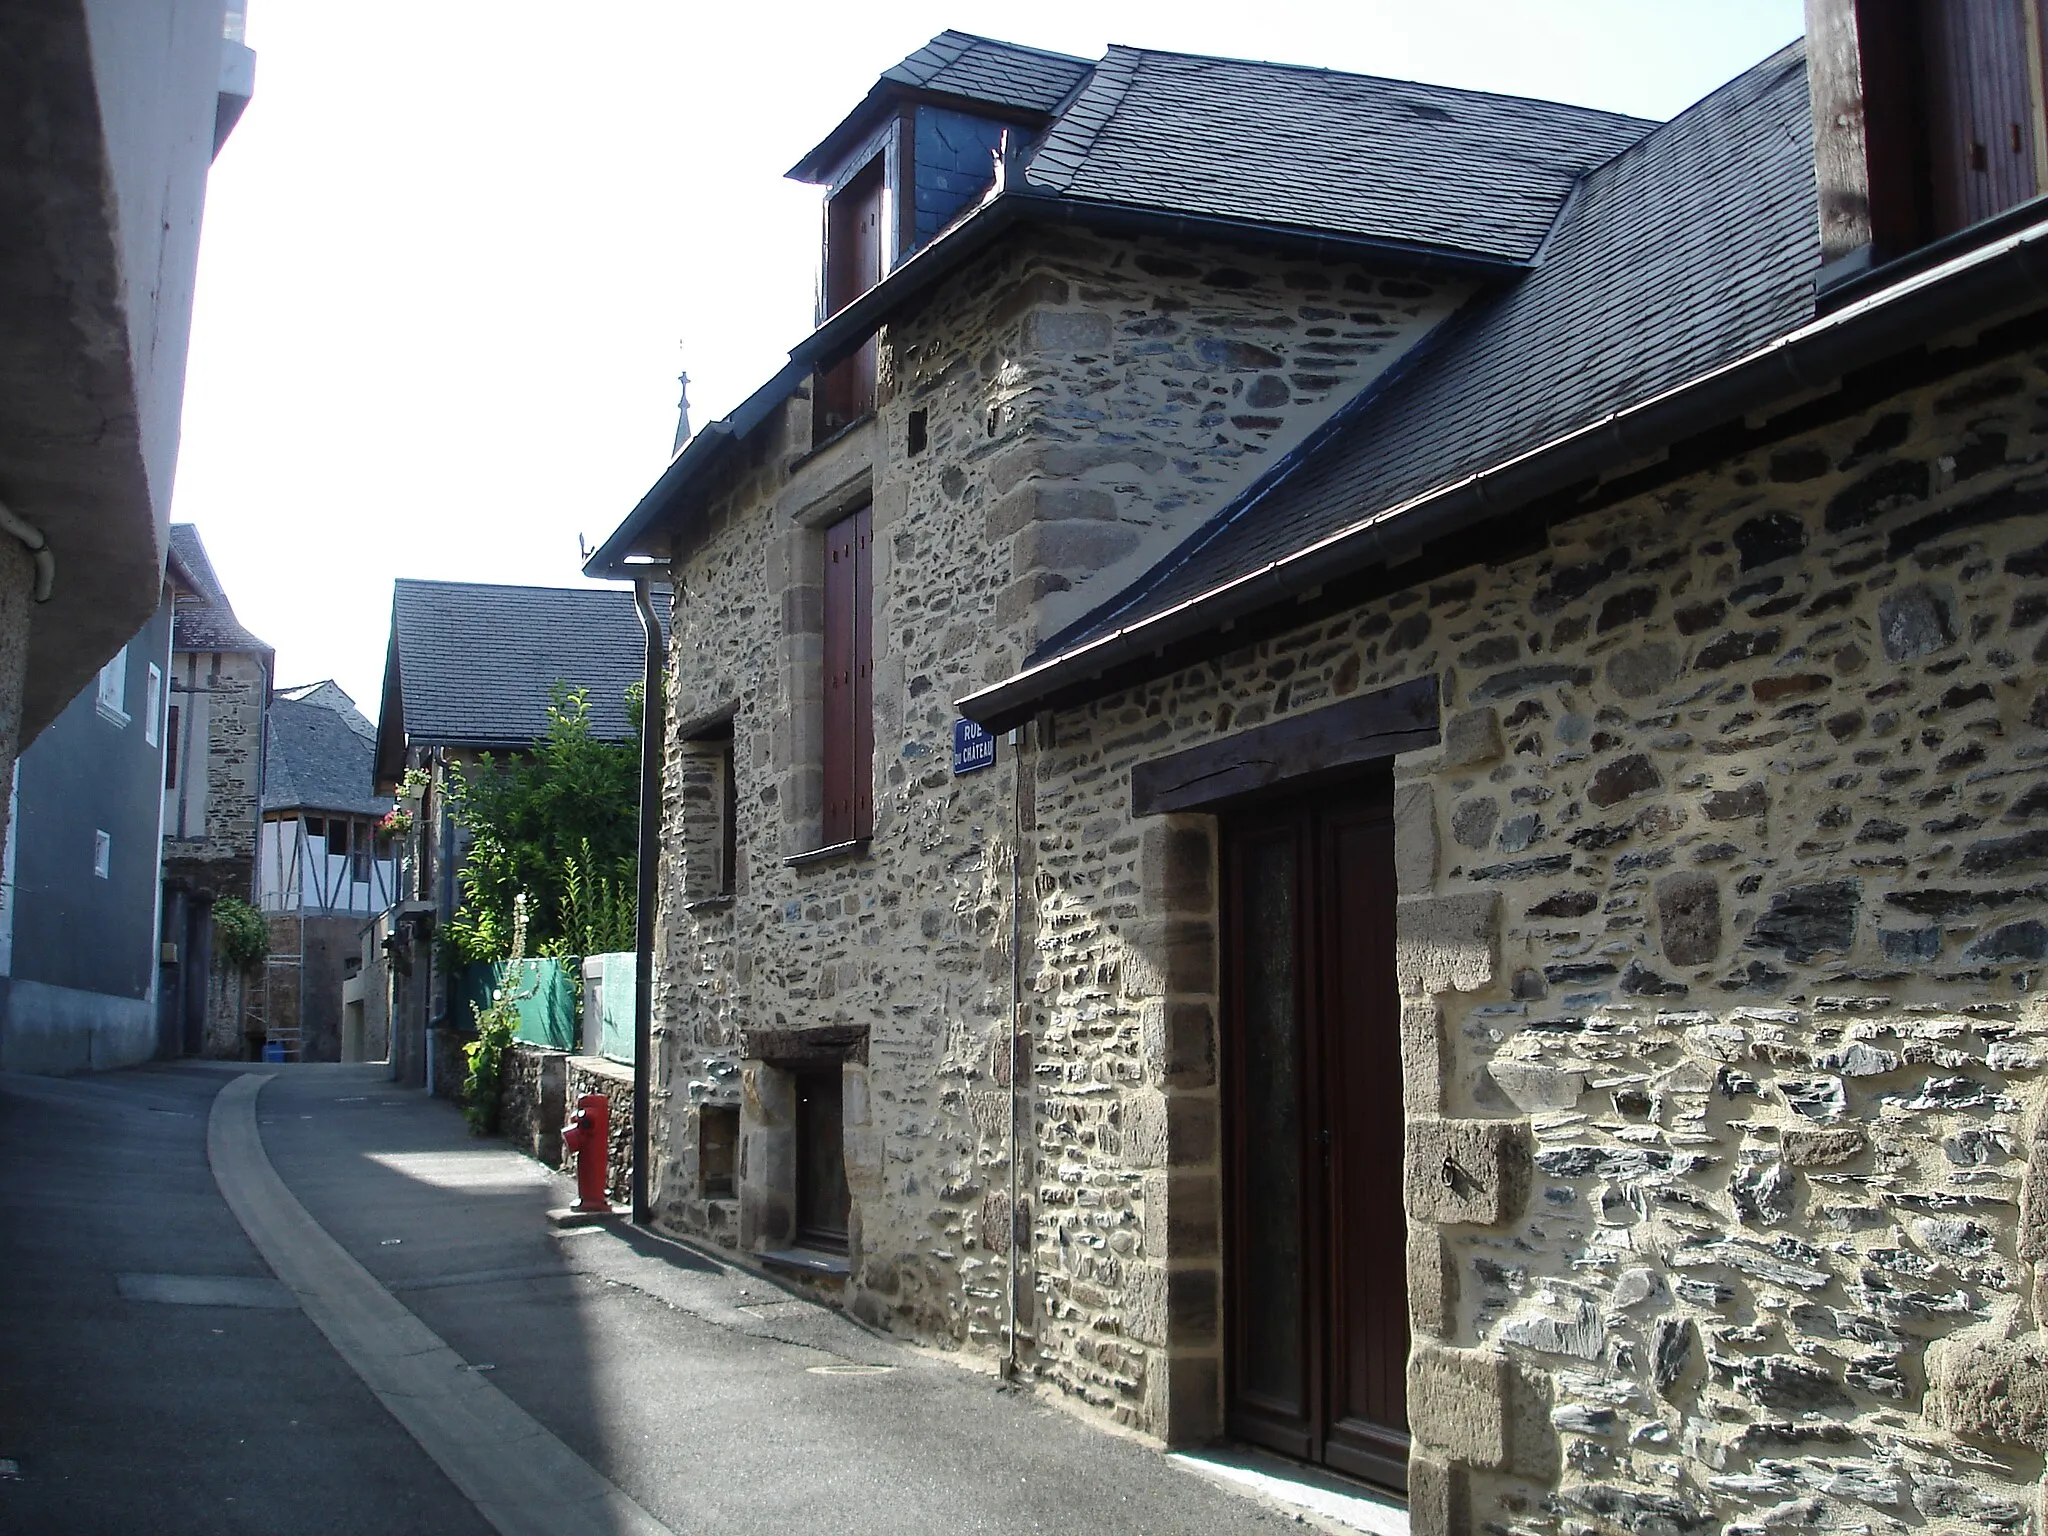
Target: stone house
[(219, 703), (470, 668), (1490, 935)]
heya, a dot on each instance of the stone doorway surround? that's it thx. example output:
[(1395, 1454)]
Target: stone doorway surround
[(1463, 1403), (767, 1174)]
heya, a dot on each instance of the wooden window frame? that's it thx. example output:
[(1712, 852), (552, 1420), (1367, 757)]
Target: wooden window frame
[(845, 394), (1890, 52)]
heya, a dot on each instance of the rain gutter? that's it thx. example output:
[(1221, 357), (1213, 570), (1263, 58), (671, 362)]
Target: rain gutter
[(652, 717)]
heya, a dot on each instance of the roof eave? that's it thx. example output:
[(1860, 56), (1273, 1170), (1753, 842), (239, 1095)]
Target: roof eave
[(2004, 277)]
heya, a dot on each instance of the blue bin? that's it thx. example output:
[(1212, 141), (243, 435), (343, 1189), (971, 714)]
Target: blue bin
[(273, 1050)]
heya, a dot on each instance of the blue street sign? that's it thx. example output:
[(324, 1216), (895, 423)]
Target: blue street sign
[(973, 748)]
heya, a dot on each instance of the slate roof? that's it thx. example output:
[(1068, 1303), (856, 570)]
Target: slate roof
[(318, 754), (204, 619), (1006, 76), (1695, 246), (474, 663), (1203, 147), (1317, 149), (987, 69)]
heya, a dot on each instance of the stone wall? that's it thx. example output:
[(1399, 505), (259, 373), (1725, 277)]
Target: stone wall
[(532, 1092), (593, 1074), (1721, 948), (1051, 422), (229, 994), (211, 819)]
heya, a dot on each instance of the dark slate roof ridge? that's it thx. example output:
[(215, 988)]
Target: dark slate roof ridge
[(205, 621), (964, 43), (1448, 168), (1065, 146), (611, 594), (1471, 92), (318, 758), (1744, 90), (475, 662)]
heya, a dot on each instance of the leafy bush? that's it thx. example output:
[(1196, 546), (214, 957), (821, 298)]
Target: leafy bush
[(241, 939), (494, 1031), (556, 826), (486, 1057)]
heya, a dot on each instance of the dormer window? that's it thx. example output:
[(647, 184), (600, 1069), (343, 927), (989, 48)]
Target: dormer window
[(907, 163), (1928, 119), (854, 257)]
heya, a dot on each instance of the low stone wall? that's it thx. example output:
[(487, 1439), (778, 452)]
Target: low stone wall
[(450, 1066), (593, 1074), (531, 1095)]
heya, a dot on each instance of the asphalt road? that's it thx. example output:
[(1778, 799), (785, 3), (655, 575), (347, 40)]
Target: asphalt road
[(713, 1399)]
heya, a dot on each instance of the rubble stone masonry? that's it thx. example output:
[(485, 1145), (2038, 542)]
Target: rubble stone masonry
[(1721, 943), (1720, 930), (1052, 421), (211, 817)]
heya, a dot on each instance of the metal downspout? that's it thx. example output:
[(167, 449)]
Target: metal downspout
[(652, 719), (1011, 1356)]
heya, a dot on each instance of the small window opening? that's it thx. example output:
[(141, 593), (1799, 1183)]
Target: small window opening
[(718, 1141), (915, 442), (103, 855), (153, 709)]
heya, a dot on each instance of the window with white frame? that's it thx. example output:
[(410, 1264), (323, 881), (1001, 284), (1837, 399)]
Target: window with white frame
[(112, 700), (152, 720), (103, 855)]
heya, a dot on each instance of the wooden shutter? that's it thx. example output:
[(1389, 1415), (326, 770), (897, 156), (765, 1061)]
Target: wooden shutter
[(849, 687), (1980, 109), (853, 265)]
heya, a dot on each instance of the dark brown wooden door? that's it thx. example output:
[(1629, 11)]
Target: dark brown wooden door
[(853, 265), (1318, 1302)]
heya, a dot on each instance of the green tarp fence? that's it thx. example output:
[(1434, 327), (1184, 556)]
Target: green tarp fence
[(615, 1000), (543, 992)]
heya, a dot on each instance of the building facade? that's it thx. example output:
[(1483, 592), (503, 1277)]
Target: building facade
[(1488, 934), (218, 710), (80, 982), (471, 669), (325, 868), (113, 114)]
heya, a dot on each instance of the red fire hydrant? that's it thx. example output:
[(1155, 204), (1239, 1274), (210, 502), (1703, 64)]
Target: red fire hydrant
[(589, 1135)]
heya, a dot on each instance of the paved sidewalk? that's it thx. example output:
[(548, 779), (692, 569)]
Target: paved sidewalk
[(710, 1398)]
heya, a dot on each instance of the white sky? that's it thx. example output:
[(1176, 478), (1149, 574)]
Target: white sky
[(457, 250)]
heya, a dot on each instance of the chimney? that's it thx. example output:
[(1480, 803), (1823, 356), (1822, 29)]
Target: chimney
[(1928, 118)]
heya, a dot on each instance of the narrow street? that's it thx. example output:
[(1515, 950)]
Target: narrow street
[(155, 1374)]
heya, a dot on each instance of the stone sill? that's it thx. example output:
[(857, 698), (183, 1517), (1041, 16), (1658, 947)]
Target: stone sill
[(848, 850), (810, 1261), (602, 1066), (823, 443), (709, 903)]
